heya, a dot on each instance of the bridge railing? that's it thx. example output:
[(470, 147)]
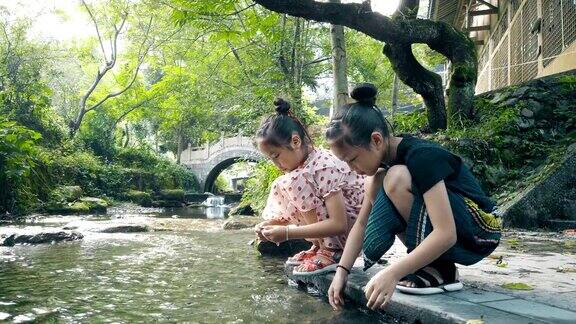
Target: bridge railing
[(203, 153)]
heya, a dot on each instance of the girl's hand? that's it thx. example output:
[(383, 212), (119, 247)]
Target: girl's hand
[(258, 231), (337, 289), (275, 233), (380, 288)]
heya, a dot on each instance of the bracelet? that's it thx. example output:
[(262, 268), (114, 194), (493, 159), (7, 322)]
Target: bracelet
[(343, 267), (286, 233)]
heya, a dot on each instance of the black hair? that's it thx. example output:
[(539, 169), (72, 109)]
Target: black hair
[(356, 122), (278, 128)]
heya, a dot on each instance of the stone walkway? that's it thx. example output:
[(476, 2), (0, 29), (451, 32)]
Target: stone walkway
[(544, 264)]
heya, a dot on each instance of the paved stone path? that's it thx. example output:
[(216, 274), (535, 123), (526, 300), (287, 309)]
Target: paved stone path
[(543, 262)]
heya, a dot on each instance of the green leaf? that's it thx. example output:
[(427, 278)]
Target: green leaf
[(517, 286)]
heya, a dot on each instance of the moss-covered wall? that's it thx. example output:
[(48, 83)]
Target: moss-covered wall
[(519, 136)]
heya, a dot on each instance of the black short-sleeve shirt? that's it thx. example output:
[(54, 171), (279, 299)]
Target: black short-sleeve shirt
[(429, 163)]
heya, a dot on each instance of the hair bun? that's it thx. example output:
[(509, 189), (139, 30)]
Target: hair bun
[(365, 93), (282, 106)]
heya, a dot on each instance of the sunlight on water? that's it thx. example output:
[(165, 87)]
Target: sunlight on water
[(198, 276)]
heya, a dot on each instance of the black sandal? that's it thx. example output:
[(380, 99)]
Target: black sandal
[(428, 283)]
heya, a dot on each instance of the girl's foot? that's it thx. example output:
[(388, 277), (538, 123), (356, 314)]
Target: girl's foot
[(435, 278), (301, 256), (324, 261)]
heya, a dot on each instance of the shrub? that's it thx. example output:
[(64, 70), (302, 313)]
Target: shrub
[(258, 187), (17, 148)]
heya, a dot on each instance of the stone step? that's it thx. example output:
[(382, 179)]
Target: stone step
[(466, 306)]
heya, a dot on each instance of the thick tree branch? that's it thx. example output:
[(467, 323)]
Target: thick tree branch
[(439, 36), (424, 82), (117, 93), (100, 74), (109, 64), (359, 17)]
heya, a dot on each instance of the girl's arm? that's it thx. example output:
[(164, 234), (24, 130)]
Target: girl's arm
[(356, 236), (380, 288), (354, 241)]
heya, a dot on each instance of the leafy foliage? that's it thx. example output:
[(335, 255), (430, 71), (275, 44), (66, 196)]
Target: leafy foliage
[(17, 147), (258, 187)]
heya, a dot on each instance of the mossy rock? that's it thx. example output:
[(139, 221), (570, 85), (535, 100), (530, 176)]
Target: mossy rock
[(68, 208), (139, 197), (241, 210), (171, 195), (240, 222), (95, 205), (66, 193), (79, 207)]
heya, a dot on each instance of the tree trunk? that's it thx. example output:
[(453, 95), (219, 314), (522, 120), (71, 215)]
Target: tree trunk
[(395, 89), (339, 68), (75, 124), (180, 145), (156, 148), (399, 32), (127, 130), (426, 83), (295, 68)]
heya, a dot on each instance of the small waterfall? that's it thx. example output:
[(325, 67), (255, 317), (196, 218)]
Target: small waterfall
[(215, 207), (214, 201)]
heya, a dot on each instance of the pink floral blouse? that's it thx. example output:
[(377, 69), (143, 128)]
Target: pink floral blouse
[(307, 187)]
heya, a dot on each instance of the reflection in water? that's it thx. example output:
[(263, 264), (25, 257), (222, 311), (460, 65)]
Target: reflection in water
[(216, 212), (194, 212), (193, 276)]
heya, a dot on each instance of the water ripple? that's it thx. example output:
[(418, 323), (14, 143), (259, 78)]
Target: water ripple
[(197, 276)]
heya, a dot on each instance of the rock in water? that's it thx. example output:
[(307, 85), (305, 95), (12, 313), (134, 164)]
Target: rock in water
[(41, 238), (240, 222), (288, 248), (241, 210), (95, 205), (127, 228)]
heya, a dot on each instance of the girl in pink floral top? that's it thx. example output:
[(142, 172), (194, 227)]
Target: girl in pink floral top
[(318, 197)]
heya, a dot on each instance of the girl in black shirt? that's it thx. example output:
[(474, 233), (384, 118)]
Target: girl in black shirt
[(416, 191)]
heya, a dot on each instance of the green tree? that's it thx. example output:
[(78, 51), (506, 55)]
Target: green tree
[(399, 32), (116, 14), (24, 96)]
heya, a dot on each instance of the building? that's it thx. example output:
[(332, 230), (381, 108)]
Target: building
[(517, 40)]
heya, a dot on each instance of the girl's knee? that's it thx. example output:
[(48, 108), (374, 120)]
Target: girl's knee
[(397, 179)]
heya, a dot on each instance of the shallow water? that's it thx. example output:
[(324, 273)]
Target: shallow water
[(193, 275)]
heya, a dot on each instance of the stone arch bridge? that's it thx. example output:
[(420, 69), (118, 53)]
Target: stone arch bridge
[(209, 160)]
